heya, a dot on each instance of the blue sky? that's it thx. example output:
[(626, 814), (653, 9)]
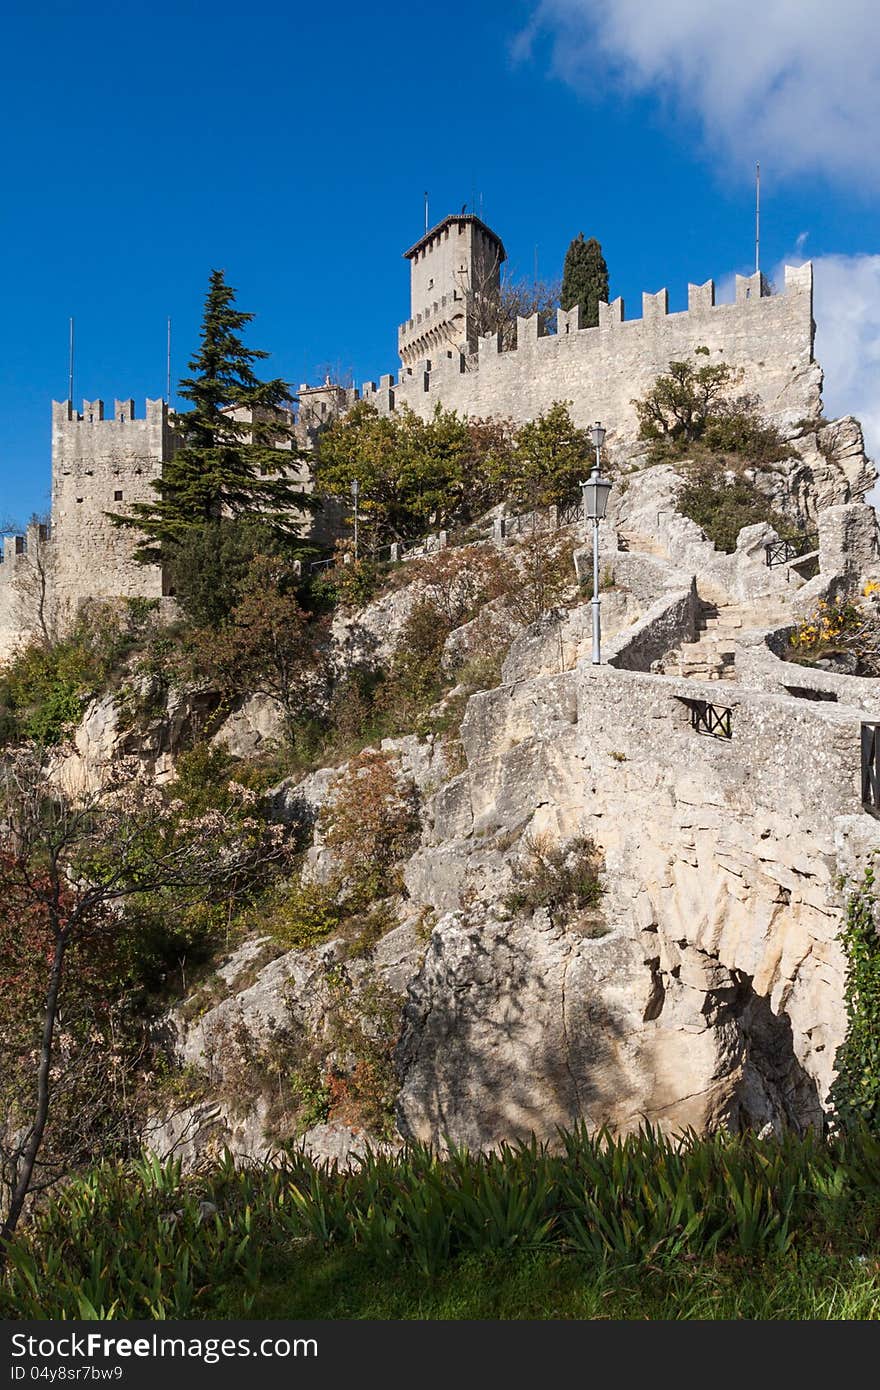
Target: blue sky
[(291, 145)]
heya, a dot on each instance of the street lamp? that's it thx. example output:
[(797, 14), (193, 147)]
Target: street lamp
[(355, 492), (595, 493)]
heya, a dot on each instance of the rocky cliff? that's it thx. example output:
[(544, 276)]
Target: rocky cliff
[(702, 987)]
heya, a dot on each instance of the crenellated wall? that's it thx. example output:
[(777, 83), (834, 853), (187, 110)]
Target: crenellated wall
[(27, 602), (102, 464), (767, 338)]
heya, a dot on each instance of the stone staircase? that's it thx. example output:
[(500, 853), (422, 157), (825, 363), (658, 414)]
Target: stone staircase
[(713, 655)]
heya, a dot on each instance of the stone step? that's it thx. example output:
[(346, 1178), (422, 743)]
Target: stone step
[(711, 655)]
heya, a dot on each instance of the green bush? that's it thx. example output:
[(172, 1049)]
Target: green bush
[(299, 915), (856, 1091), (740, 430), (348, 585), (689, 411), (722, 508), (45, 686), (207, 570)]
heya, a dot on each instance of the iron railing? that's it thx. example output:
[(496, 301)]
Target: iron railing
[(871, 765), (789, 548), (518, 524), (706, 718), (568, 515)]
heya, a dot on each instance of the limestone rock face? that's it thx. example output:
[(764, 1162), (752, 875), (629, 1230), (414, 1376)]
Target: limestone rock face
[(257, 723), (370, 636), (517, 1029), (275, 1006), (706, 989), (849, 544), (109, 731)]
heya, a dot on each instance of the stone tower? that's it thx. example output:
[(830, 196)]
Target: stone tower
[(99, 465), (455, 261)]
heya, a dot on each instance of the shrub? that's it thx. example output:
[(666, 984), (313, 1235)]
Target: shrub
[(856, 1090), (45, 686), (302, 914), (415, 677), (363, 1025), (458, 583), (723, 507), (690, 405), (551, 457), (348, 585), (543, 575), (563, 878), (738, 428), (208, 567), (266, 646), (677, 407), (834, 629), (370, 819)]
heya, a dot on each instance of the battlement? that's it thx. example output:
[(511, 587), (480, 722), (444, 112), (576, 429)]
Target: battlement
[(767, 338), (93, 413), (439, 311), (14, 547)]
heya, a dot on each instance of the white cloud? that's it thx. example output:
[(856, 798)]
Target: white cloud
[(847, 314), (795, 82)]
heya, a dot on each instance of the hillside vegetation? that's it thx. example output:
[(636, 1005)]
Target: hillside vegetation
[(633, 1228), (133, 896)]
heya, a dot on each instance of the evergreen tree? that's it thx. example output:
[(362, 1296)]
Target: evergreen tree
[(225, 467), (584, 278)]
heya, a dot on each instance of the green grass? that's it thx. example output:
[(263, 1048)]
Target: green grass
[(310, 1283), (643, 1226)]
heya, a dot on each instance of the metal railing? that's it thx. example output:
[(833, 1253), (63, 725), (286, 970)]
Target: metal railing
[(545, 519), (871, 766), (706, 718), (790, 548)]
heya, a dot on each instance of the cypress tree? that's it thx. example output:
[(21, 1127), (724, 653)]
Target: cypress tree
[(584, 278), (225, 467)]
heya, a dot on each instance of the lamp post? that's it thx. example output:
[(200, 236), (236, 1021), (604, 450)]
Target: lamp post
[(355, 492), (595, 492)]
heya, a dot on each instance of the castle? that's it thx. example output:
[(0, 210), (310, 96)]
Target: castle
[(729, 791), (101, 463)]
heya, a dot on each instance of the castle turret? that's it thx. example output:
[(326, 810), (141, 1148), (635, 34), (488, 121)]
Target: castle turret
[(101, 464), (455, 262)]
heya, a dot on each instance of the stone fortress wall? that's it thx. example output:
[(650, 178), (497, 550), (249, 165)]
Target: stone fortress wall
[(100, 464), (766, 338)]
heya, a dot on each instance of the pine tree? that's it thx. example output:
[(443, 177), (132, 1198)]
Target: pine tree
[(584, 278), (225, 467)]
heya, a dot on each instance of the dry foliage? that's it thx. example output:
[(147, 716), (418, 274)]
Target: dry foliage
[(371, 816)]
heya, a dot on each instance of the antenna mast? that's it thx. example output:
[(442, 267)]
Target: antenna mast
[(70, 365), (168, 366), (426, 210), (757, 218)]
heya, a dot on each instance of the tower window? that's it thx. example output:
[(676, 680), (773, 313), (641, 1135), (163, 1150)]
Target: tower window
[(117, 496), (79, 499)]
